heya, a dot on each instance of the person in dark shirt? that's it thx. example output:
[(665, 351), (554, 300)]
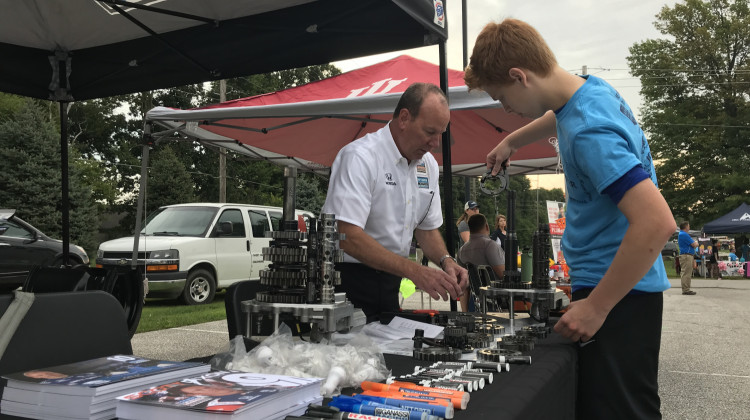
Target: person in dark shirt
[(499, 234)]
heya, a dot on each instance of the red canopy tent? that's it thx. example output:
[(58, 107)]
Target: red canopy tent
[(307, 125)]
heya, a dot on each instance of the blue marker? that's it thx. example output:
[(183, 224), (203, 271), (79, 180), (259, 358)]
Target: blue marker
[(354, 405), (444, 411)]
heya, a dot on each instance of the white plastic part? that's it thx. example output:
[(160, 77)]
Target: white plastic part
[(335, 376), (265, 356)]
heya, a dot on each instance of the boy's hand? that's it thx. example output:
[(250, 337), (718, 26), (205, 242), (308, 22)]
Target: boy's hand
[(497, 159), (581, 321)]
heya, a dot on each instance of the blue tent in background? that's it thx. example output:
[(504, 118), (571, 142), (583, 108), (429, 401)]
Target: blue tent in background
[(736, 221)]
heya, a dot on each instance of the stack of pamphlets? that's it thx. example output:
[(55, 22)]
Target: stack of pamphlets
[(223, 395), (88, 389)]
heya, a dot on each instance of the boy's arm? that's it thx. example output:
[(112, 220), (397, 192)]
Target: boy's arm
[(650, 226), (542, 127)]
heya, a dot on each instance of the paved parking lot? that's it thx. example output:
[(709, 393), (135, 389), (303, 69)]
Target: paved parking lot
[(705, 356)]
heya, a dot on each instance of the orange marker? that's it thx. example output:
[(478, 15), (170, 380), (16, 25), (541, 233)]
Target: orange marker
[(459, 399)]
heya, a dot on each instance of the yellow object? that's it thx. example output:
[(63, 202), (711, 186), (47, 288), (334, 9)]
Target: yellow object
[(407, 288)]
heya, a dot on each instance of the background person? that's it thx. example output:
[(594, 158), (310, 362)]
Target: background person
[(713, 260), (745, 250), (687, 257), (499, 234), (480, 250), (616, 219), (384, 191), (470, 208)]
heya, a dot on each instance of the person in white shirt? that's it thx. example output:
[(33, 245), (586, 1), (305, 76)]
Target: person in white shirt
[(383, 191)]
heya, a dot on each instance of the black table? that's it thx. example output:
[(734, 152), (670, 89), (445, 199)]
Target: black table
[(546, 389)]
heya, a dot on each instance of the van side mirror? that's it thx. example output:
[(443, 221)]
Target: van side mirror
[(224, 228)]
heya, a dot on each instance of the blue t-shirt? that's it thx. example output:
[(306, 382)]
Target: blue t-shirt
[(599, 141), (686, 243)]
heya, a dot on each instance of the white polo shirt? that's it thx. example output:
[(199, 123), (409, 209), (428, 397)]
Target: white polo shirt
[(374, 187)]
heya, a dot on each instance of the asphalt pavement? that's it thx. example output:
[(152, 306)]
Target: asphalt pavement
[(704, 370)]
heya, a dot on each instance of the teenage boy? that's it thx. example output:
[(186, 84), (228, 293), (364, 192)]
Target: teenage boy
[(617, 221)]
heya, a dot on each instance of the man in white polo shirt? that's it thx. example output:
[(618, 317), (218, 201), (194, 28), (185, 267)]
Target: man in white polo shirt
[(384, 191)]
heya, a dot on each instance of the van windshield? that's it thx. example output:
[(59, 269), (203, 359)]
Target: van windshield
[(180, 221)]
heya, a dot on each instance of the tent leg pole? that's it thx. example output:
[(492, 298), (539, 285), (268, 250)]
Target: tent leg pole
[(141, 195), (447, 172), (64, 180)]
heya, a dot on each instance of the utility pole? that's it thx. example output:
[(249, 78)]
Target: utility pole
[(222, 151), (468, 184)]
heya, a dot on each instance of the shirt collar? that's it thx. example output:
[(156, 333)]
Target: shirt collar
[(391, 151)]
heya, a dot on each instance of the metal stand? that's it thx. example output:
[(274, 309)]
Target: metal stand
[(552, 297)]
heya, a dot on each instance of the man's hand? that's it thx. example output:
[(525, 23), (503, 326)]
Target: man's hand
[(581, 321), (459, 273), (437, 283)]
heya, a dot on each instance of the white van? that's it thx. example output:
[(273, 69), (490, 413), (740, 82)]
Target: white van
[(191, 250)]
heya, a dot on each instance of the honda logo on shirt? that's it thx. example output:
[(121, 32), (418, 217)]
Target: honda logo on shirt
[(389, 179)]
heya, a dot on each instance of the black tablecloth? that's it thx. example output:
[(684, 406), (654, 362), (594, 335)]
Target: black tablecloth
[(544, 390)]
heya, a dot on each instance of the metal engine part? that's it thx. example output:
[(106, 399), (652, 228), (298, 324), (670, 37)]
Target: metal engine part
[(494, 329), (537, 331), (479, 340), (455, 337), (510, 342), (494, 355), (301, 278), (437, 354), (494, 184)]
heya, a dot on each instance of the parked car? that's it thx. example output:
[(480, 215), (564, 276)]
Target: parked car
[(670, 249), (22, 247), (192, 250)]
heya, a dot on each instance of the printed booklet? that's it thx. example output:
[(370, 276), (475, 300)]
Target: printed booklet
[(224, 395), (87, 389)]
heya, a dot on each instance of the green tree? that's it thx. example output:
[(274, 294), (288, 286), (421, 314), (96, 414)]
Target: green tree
[(311, 193), (30, 175), (695, 84), (169, 181)]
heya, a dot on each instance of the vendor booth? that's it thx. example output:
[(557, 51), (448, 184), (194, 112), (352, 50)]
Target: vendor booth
[(735, 222), (65, 51)]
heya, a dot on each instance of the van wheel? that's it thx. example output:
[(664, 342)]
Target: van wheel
[(200, 287)]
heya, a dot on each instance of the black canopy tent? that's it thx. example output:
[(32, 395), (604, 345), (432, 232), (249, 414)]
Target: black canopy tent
[(736, 221), (72, 50)]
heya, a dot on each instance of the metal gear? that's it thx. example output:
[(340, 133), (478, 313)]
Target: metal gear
[(493, 355), (537, 331), (437, 354), (281, 296), (517, 343), (495, 329), (283, 278), (292, 235), (466, 321), (455, 337), (479, 340), (284, 255)]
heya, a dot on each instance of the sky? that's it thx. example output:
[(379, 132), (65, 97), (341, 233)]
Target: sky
[(592, 33)]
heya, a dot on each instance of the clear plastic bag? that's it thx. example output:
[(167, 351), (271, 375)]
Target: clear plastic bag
[(344, 365)]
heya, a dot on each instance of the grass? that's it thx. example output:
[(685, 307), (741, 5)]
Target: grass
[(159, 314)]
